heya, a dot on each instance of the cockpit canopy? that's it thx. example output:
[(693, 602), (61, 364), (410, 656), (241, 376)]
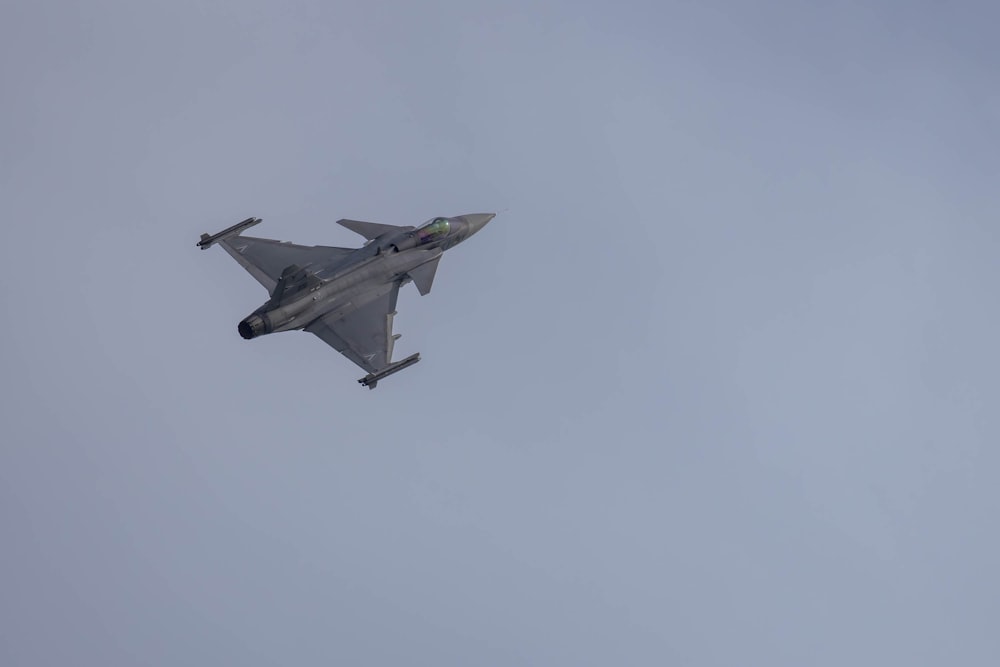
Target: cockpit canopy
[(435, 229)]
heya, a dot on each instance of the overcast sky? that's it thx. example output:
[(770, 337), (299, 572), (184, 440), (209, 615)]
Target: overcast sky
[(718, 386)]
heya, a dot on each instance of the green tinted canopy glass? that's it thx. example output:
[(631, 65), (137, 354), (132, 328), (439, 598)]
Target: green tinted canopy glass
[(436, 227)]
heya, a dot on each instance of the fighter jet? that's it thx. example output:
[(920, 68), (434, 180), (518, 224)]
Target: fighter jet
[(344, 296)]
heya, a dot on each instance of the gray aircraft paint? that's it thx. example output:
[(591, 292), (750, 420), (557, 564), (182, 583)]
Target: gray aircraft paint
[(346, 297)]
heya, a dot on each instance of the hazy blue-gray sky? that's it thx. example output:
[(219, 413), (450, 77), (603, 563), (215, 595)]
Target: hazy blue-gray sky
[(717, 387)]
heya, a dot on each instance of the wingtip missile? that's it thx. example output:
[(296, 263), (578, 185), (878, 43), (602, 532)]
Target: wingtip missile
[(207, 240), (371, 380)]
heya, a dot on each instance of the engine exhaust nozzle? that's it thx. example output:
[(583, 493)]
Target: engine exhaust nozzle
[(252, 327)]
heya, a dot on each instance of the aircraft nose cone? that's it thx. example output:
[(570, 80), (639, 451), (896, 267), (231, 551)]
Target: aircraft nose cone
[(478, 220)]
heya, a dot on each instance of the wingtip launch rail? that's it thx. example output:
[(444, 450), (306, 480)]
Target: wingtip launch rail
[(371, 380), (207, 240)]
